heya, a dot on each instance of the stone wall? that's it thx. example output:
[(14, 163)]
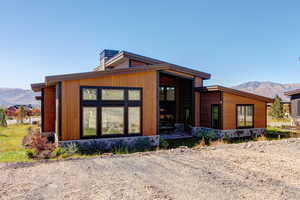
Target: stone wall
[(107, 144), (233, 133)]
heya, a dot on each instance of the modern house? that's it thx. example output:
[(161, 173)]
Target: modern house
[(295, 105), (132, 96)]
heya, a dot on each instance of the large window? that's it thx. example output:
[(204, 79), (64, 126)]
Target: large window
[(110, 111), (245, 116)]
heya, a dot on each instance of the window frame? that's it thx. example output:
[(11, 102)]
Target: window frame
[(99, 103), (165, 93), (236, 116)]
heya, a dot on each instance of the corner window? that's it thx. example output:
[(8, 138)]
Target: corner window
[(117, 112), (245, 116)]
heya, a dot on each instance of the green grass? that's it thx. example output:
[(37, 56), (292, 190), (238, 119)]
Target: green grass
[(11, 149)]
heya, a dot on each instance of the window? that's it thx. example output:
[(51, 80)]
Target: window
[(134, 95), (298, 108), (170, 94), (134, 120), (215, 116), (89, 121), (167, 93), (116, 112), (112, 120), (161, 93), (89, 94), (112, 94), (245, 116)]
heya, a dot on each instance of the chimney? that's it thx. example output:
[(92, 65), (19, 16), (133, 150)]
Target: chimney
[(105, 55)]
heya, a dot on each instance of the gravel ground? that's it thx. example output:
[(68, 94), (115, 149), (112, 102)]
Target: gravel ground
[(256, 170)]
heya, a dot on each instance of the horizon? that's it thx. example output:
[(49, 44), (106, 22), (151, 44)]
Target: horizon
[(236, 42)]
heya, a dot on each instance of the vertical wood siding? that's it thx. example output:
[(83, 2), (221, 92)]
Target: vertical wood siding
[(49, 109), (229, 111), (71, 100), (207, 99), (198, 83)]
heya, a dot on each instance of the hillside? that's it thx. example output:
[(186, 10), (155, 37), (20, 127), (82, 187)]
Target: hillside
[(268, 89), (13, 96)]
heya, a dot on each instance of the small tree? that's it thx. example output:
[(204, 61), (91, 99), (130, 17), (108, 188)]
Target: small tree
[(277, 108), (3, 117), (21, 114)]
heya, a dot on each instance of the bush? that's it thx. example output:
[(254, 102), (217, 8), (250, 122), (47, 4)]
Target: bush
[(31, 153), (164, 144), (38, 146), (3, 117)]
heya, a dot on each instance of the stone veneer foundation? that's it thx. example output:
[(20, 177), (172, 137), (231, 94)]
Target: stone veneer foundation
[(108, 144), (233, 133)]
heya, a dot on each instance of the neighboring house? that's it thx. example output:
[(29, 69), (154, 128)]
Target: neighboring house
[(134, 96), (295, 105)]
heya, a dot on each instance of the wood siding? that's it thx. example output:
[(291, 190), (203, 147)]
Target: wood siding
[(229, 110), (198, 83), (207, 99), (71, 100), (49, 109)]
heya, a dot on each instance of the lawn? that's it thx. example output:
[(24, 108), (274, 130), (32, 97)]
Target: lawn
[(11, 149)]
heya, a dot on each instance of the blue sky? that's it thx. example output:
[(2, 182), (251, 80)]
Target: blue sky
[(235, 41)]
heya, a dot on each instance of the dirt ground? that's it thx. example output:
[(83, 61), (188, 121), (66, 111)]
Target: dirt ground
[(256, 170)]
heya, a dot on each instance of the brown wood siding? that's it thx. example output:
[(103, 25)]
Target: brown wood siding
[(71, 100), (197, 101), (207, 99), (49, 109), (229, 111)]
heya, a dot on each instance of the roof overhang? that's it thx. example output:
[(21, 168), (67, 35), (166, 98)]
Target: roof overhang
[(235, 92), (37, 87), (292, 92), (51, 80), (124, 54)]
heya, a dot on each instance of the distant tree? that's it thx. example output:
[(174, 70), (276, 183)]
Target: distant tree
[(3, 117), (21, 114), (277, 108)]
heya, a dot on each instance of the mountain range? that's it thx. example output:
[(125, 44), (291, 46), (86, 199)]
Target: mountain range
[(13, 96), (268, 89)]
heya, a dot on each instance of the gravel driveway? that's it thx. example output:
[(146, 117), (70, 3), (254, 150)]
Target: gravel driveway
[(257, 170)]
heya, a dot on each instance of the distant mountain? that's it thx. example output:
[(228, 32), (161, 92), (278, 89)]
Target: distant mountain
[(13, 96), (268, 89)]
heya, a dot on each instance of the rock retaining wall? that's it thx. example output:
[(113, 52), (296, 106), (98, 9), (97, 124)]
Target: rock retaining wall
[(233, 133)]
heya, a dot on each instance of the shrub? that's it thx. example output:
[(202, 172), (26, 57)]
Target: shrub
[(163, 143), (41, 146), (31, 153)]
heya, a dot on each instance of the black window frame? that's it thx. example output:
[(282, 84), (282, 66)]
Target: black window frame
[(219, 115), (99, 103), (236, 116)]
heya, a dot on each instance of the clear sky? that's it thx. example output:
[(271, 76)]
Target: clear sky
[(235, 41)]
